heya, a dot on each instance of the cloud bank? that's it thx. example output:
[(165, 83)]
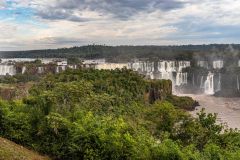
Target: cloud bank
[(37, 24)]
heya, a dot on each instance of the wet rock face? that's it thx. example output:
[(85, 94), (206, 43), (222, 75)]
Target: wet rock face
[(158, 90), (230, 85)]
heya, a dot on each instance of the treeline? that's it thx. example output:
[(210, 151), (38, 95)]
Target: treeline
[(98, 114), (125, 53)]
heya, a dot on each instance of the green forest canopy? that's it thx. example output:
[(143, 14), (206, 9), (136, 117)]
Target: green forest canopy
[(100, 114)]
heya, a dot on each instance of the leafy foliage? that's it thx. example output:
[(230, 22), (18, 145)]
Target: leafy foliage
[(90, 114)]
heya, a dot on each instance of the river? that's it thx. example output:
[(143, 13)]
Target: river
[(228, 109)]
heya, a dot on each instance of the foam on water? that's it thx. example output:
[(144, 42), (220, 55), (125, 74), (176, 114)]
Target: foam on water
[(228, 109)]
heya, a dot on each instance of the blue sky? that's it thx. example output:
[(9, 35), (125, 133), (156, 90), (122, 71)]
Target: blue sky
[(39, 24)]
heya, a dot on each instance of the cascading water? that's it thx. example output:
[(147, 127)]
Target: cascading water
[(238, 85), (181, 78), (57, 69), (72, 66), (218, 64), (172, 70), (60, 68), (146, 68), (203, 64), (185, 75), (193, 80), (209, 84), (143, 66), (7, 70), (219, 83), (150, 67), (24, 69), (202, 83), (215, 81), (166, 69), (40, 70)]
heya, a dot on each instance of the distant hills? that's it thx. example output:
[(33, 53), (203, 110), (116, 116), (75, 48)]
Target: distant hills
[(124, 53)]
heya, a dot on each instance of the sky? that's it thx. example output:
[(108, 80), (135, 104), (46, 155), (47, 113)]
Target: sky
[(41, 24)]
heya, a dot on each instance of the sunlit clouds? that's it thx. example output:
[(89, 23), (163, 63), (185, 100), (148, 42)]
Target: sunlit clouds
[(37, 24)]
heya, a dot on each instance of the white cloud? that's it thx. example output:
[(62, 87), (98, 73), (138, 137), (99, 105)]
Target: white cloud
[(61, 25), (2, 4)]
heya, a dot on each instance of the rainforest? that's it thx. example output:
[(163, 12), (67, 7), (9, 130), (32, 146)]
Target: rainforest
[(113, 114)]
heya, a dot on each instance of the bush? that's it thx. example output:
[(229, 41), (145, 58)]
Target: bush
[(186, 103)]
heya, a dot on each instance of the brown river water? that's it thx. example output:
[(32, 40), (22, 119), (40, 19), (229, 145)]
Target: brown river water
[(228, 109)]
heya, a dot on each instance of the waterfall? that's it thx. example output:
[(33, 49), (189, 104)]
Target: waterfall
[(179, 79), (135, 66), (24, 69), (185, 75), (238, 86), (182, 65), (60, 68), (162, 69), (57, 69), (165, 70), (172, 70), (150, 75), (142, 66), (202, 84), (203, 64), (218, 64), (7, 70), (149, 67), (209, 84), (161, 66), (193, 80), (219, 83), (40, 70), (75, 66)]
